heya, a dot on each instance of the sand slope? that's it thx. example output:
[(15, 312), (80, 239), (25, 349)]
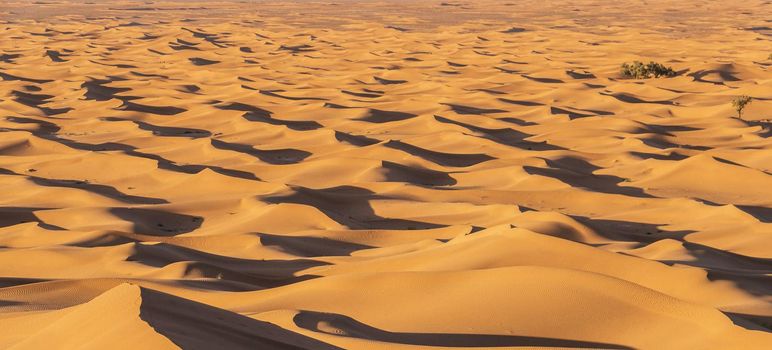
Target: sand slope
[(372, 175)]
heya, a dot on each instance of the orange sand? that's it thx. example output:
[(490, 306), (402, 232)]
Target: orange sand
[(384, 175)]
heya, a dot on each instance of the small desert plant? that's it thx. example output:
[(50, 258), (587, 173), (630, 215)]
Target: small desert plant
[(635, 70), (770, 57), (638, 70), (739, 104), (660, 70)]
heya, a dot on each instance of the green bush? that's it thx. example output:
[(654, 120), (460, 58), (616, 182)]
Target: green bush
[(638, 70), (739, 104)]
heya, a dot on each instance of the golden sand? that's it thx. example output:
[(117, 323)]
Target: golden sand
[(384, 175)]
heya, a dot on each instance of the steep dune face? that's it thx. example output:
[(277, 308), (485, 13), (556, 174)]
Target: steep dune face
[(384, 175), (131, 317)]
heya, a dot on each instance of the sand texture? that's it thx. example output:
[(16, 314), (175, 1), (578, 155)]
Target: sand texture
[(384, 175)]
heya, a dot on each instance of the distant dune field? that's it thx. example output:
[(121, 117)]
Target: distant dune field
[(384, 175)]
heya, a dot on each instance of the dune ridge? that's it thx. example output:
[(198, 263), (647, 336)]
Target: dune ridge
[(384, 175)]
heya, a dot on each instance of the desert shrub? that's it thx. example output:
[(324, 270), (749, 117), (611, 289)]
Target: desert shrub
[(635, 70), (660, 70), (740, 103), (638, 70)]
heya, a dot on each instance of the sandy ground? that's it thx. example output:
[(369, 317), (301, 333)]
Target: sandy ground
[(384, 175)]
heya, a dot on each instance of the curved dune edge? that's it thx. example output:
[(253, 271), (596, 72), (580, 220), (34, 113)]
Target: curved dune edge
[(362, 175), (144, 318), (498, 307)]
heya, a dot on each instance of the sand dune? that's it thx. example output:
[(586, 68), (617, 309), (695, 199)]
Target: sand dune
[(384, 175)]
